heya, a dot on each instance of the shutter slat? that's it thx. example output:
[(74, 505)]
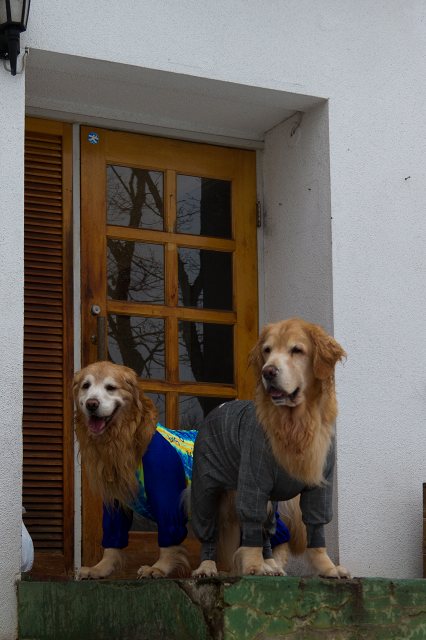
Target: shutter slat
[(43, 420)]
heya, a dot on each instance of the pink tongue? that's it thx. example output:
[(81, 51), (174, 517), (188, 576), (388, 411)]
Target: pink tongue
[(96, 425), (276, 394)]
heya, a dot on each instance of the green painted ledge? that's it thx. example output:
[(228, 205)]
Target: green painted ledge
[(239, 609)]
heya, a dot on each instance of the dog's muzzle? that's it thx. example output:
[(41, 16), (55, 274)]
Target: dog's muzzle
[(277, 394), (282, 397), (97, 424), (92, 405)]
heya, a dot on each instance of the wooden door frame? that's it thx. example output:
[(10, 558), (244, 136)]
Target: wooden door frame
[(137, 150)]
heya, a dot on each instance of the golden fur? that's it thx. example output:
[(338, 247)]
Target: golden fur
[(110, 460), (112, 451), (300, 436)]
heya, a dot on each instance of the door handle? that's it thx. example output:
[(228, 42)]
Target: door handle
[(100, 338)]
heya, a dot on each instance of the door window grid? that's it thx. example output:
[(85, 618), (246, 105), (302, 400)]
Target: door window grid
[(152, 347)]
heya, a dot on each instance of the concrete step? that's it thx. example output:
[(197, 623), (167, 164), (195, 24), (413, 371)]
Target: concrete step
[(261, 608)]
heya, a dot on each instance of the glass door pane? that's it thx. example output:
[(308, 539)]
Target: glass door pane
[(206, 352), (135, 271), (135, 197), (138, 343), (205, 278), (204, 206)]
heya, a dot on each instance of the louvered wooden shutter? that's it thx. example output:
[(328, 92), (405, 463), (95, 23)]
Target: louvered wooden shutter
[(48, 346)]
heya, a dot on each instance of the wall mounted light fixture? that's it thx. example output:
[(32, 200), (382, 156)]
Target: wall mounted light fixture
[(13, 21)]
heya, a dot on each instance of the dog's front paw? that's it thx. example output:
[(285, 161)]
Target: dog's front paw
[(207, 569), (257, 570), (324, 566), (271, 568), (336, 572), (111, 560), (145, 571), (94, 573)]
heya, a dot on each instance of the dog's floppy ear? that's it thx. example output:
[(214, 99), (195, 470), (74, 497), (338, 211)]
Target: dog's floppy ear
[(255, 358), (149, 411), (130, 380), (146, 405), (327, 351)]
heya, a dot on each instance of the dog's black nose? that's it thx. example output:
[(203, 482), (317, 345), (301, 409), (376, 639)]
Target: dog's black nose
[(269, 372), (92, 405)]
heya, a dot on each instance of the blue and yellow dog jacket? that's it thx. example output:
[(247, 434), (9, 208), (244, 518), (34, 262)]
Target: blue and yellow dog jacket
[(164, 473)]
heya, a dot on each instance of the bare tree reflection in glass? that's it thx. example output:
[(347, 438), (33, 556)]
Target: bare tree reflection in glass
[(135, 197), (136, 273), (136, 270), (138, 342), (205, 350)]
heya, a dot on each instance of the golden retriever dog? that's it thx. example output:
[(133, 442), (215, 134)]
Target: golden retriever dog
[(134, 464), (278, 448)]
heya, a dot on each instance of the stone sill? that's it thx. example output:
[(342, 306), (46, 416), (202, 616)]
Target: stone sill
[(261, 608)]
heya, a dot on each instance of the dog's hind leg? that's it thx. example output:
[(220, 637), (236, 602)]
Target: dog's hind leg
[(280, 556), (249, 561), (291, 514), (172, 560), (207, 569), (229, 534)]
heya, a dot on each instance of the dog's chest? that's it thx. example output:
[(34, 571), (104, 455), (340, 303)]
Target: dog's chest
[(285, 486)]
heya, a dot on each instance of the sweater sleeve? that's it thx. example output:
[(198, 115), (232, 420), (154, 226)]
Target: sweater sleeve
[(316, 504), (116, 523), (255, 482), (164, 483)]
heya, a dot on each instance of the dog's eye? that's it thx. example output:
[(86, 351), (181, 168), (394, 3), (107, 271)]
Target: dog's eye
[(266, 349), (110, 387), (86, 385), (296, 350)]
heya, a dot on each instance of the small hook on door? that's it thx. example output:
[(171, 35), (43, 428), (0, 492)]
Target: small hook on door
[(100, 339)]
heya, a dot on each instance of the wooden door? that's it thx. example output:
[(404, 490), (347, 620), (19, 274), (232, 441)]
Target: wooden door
[(169, 279)]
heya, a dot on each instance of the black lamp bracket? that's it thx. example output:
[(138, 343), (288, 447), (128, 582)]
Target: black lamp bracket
[(7, 63)]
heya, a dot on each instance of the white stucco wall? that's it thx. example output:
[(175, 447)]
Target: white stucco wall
[(11, 296), (367, 59), (297, 224), (297, 250)]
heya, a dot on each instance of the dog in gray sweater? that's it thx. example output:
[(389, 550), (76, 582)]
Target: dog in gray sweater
[(279, 447)]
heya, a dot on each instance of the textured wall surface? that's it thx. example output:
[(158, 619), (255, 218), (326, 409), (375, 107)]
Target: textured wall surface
[(11, 302), (250, 608), (297, 250), (297, 229), (373, 289), (367, 59)]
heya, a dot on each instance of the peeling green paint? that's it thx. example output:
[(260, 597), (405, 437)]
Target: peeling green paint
[(258, 608), (361, 609)]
